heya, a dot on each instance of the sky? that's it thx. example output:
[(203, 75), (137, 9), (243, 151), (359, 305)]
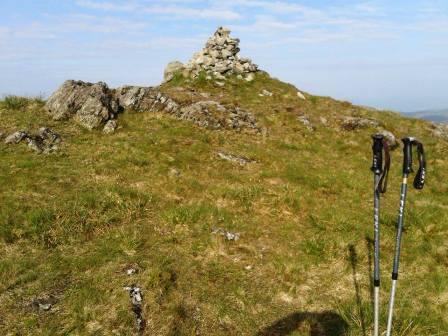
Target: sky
[(381, 53)]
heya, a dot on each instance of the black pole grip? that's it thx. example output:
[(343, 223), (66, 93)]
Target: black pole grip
[(419, 180), (407, 155), (377, 149)]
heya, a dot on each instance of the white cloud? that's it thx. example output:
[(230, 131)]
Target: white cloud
[(266, 24), (175, 8), (108, 6), (273, 6), (91, 23), (188, 12), (153, 43)]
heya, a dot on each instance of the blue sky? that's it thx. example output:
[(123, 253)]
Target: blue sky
[(388, 54)]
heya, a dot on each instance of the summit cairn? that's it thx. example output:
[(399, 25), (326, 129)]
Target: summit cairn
[(218, 59)]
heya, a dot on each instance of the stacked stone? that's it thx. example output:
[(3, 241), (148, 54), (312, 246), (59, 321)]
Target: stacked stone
[(220, 58)]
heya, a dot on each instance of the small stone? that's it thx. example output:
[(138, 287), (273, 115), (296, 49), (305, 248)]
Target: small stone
[(16, 137), (300, 95), (44, 303), (174, 172), (324, 121), (250, 77), (241, 160), (218, 76), (220, 84), (231, 236), (171, 69), (131, 271), (306, 121), (266, 93), (110, 127), (45, 306)]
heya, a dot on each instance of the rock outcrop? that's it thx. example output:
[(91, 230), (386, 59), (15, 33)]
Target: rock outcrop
[(354, 123), (218, 59), (136, 98), (44, 141), (208, 114), (91, 105), (95, 105)]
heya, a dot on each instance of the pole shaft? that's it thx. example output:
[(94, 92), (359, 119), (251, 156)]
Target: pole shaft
[(397, 252), (404, 188), (376, 263), (391, 307), (376, 307)]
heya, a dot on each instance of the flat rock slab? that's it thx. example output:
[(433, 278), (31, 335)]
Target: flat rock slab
[(136, 98)]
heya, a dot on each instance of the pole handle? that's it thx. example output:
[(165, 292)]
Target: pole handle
[(407, 155), (379, 146), (377, 149), (419, 180), (409, 142)]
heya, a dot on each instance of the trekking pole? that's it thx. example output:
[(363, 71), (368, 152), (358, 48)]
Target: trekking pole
[(419, 182), (379, 187)]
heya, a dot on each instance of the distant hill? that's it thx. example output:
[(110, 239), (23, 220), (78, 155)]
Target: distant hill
[(431, 115)]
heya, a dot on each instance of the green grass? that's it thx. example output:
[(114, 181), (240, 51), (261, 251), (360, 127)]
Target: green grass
[(15, 103), (72, 222)]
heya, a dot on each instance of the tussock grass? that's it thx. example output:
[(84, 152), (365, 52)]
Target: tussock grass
[(15, 103), (72, 222)]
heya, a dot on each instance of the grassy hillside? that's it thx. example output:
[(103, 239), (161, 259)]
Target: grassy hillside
[(150, 195)]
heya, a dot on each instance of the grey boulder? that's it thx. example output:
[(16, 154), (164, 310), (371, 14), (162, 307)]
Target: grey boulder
[(91, 105)]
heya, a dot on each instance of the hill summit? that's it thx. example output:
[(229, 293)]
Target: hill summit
[(96, 105)]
